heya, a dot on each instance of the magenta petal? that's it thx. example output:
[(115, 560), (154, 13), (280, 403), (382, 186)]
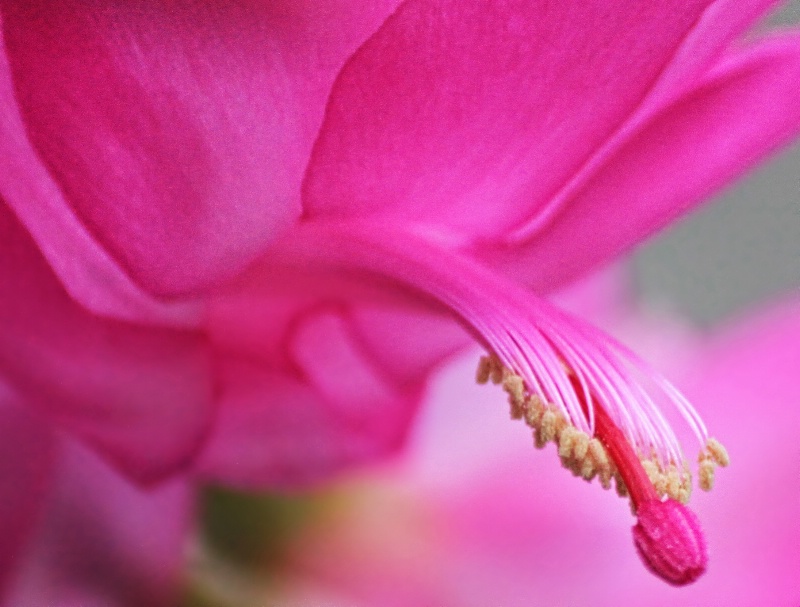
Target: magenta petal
[(722, 23), (406, 345), (89, 274), (471, 115), (141, 395), (278, 429), (26, 458), (104, 541), (177, 132), (743, 110)]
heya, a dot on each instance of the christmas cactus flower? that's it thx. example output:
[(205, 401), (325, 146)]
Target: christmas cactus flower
[(239, 237)]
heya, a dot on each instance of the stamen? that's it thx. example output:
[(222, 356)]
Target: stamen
[(667, 534), (712, 456), (585, 456), (572, 385)]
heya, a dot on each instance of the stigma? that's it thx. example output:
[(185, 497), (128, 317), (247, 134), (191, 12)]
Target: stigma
[(667, 536)]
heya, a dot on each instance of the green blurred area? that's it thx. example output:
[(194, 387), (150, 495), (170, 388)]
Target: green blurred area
[(254, 530)]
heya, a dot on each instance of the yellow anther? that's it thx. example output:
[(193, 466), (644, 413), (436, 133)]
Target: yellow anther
[(588, 470), (566, 442), (581, 446), (686, 487), (718, 452), (514, 387), (484, 370), (673, 482), (706, 475), (651, 468), (548, 426), (622, 490), (497, 372), (534, 411), (598, 453)]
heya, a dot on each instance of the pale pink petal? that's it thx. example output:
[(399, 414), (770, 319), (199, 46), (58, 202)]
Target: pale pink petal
[(331, 409), (177, 132), (104, 541), (743, 110), (141, 395), (26, 459), (469, 116)]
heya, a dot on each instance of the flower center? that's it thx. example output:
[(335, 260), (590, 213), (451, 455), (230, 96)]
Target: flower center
[(573, 385)]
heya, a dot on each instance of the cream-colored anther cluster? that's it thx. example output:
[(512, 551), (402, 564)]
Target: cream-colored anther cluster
[(669, 480), (583, 455), (712, 456)]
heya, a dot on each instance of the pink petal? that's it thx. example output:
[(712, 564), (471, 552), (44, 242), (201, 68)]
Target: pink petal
[(177, 132), (335, 409), (722, 23), (471, 115), (104, 541), (89, 274), (26, 459), (741, 112), (139, 394)]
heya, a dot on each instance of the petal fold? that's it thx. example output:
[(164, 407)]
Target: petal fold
[(141, 395), (469, 116), (743, 110), (279, 429), (177, 132)]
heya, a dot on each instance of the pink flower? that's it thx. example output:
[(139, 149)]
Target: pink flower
[(482, 520), (238, 235), (74, 532)]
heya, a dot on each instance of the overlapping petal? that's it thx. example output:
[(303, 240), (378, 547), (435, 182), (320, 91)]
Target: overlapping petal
[(740, 112), (177, 132), (469, 116), (307, 390), (143, 395)]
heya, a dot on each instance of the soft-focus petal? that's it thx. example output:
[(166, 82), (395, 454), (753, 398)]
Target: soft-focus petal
[(105, 542), (26, 458), (330, 406), (177, 132), (744, 110), (140, 394), (309, 388), (470, 116)]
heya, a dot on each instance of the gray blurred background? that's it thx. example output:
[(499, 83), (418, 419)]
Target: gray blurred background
[(742, 247)]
